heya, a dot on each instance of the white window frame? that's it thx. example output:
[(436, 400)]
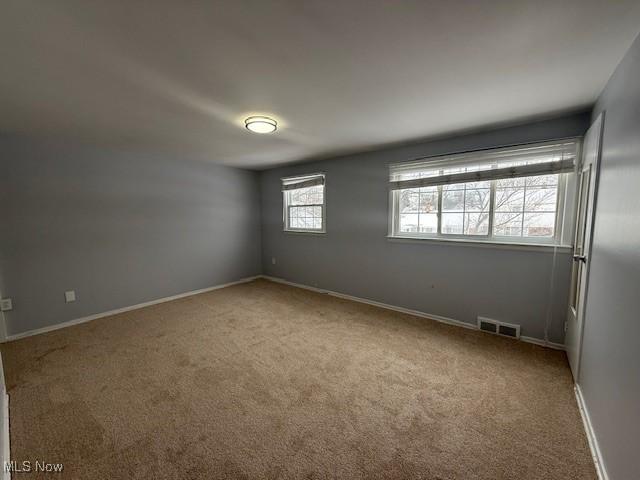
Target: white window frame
[(286, 206), (563, 228)]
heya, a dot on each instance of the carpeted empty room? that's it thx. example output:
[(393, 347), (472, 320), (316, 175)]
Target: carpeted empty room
[(264, 380), (304, 239)]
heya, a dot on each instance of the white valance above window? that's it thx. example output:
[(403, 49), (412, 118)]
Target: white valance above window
[(302, 182), (494, 164)]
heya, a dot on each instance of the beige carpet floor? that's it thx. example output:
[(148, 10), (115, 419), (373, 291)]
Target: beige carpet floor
[(267, 381)]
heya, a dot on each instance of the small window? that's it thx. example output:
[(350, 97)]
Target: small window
[(304, 203), (510, 194)]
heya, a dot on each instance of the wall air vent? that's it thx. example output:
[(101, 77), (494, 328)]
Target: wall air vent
[(487, 326), (499, 328)]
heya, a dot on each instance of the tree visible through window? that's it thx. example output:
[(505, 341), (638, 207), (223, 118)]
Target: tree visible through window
[(526, 207), (522, 207), (511, 200)]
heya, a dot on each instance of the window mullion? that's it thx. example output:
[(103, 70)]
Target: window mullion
[(285, 210), (395, 198), (524, 208), (439, 209), (464, 209), (492, 201)]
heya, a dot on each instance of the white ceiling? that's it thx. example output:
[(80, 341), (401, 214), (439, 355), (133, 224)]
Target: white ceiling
[(342, 75)]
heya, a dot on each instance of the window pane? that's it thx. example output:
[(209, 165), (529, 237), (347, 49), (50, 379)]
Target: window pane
[(532, 200), (305, 217), (476, 199), (306, 196), (452, 199), (541, 200), (409, 222), (476, 223), (418, 210), (452, 223), (428, 223), (428, 200), (539, 224), (409, 200), (507, 224), (509, 199)]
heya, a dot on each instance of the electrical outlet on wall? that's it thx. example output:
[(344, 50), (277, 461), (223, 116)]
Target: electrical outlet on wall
[(70, 296), (6, 304), (273, 260)]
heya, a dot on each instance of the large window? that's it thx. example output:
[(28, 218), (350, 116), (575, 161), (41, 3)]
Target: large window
[(509, 194), (303, 203)]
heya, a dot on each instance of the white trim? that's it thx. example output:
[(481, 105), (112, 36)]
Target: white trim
[(6, 439), (490, 237), (417, 313), (323, 205), (305, 232), (500, 173), (465, 157), (293, 284), (542, 343), (590, 218), (549, 247), (566, 178), (591, 435), (430, 316), (6, 447), (289, 178), (296, 183), (3, 328), (77, 321), (3, 325)]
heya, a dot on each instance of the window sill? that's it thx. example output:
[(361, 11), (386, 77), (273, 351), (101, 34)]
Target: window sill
[(545, 247), (306, 232)]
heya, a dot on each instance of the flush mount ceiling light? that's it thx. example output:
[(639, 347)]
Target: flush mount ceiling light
[(259, 124)]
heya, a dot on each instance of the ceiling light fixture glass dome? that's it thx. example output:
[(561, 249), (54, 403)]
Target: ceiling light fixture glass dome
[(260, 124)]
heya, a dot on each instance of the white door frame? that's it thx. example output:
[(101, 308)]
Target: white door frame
[(576, 317), (3, 326)]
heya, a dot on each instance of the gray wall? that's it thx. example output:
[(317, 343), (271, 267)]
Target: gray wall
[(460, 282), (120, 228), (610, 368)]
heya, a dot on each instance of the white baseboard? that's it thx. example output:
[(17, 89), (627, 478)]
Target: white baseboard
[(77, 321), (542, 343), (417, 313), (5, 446), (591, 435)]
